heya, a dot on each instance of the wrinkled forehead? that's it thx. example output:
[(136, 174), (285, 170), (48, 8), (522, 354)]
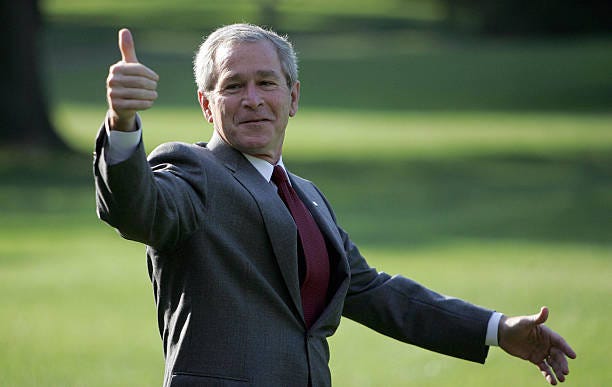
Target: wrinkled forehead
[(260, 55), (230, 52)]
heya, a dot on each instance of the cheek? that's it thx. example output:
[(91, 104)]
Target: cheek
[(218, 113), (226, 111)]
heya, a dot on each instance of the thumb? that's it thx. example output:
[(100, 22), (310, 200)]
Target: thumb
[(126, 46), (541, 317)]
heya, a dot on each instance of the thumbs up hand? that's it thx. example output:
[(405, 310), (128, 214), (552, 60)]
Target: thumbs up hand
[(130, 86)]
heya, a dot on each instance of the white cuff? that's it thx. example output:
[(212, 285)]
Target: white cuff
[(492, 328), (121, 145)]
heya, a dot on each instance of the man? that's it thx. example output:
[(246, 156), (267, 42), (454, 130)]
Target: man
[(250, 270)]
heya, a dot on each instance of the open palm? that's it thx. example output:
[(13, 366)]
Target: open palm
[(528, 338)]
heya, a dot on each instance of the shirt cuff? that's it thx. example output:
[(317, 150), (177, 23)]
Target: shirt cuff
[(121, 145), (492, 328)]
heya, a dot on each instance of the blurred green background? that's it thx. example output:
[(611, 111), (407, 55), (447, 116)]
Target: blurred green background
[(466, 146)]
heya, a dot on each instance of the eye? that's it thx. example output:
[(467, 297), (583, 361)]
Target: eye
[(267, 83), (232, 87)]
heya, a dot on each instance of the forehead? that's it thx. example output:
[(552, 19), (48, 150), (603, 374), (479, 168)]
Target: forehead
[(247, 57)]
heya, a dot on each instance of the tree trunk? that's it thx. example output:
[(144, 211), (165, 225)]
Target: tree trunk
[(24, 118)]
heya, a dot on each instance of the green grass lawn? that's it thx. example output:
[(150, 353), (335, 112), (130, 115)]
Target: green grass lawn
[(79, 315), (513, 277), (358, 135), (83, 317), (481, 168), (511, 224)]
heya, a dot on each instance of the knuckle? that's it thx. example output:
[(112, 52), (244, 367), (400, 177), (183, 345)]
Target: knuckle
[(111, 79)]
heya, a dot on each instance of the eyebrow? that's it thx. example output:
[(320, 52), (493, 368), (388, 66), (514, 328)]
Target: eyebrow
[(268, 73), (260, 74)]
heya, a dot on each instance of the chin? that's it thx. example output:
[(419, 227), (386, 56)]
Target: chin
[(258, 141), (253, 146)]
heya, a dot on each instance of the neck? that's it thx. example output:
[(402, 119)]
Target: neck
[(272, 156), (270, 159)]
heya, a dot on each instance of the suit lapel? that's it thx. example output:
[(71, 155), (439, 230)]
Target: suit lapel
[(277, 219)]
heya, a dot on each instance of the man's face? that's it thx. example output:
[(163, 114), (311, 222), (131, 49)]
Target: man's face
[(251, 102)]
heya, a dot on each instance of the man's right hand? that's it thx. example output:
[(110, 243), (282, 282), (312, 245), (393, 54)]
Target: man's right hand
[(130, 86)]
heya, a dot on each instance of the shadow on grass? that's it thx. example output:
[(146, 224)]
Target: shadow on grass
[(384, 72), (36, 185), (563, 199)]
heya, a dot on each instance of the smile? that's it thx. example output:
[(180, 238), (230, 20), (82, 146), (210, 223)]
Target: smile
[(254, 121)]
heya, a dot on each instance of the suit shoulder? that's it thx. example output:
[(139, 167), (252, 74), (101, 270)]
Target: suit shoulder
[(313, 191), (301, 180), (177, 147), (179, 152)]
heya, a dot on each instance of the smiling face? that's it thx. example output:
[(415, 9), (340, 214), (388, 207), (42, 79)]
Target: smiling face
[(251, 102)]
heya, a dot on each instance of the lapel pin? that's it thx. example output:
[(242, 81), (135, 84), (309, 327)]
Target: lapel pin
[(315, 203)]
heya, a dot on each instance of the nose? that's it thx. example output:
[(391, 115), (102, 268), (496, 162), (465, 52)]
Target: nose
[(252, 97)]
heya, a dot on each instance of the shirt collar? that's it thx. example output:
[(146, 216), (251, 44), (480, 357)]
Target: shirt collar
[(264, 168)]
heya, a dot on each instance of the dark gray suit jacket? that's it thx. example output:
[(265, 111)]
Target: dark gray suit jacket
[(222, 258)]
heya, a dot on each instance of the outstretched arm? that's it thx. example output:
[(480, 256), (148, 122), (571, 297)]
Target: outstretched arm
[(528, 338)]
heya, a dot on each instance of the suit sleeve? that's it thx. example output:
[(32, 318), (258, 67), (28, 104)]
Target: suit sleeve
[(155, 202), (407, 311)]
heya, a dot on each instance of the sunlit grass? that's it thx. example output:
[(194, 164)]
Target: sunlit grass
[(504, 203), (81, 310), (189, 14), (514, 278), (356, 135), (75, 314)]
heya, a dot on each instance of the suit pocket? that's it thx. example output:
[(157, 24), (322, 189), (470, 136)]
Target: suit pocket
[(189, 379)]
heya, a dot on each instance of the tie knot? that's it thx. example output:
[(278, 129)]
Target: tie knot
[(278, 175)]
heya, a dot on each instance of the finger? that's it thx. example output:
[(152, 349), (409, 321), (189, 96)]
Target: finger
[(567, 350), (137, 94), (133, 69), (134, 82), (547, 373), (541, 317), (559, 343), (558, 362), (564, 348), (126, 46), (120, 105)]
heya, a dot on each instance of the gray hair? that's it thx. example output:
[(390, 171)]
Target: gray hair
[(204, 62)]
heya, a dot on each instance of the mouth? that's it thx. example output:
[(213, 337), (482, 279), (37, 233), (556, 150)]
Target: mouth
[(254, 121)]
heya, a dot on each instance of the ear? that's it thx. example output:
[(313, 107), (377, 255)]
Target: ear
[(205, 105), (295, 99)]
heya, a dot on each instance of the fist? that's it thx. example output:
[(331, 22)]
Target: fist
[(130, 86)]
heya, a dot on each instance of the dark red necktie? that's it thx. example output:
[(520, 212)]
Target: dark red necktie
[(316, 260)]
